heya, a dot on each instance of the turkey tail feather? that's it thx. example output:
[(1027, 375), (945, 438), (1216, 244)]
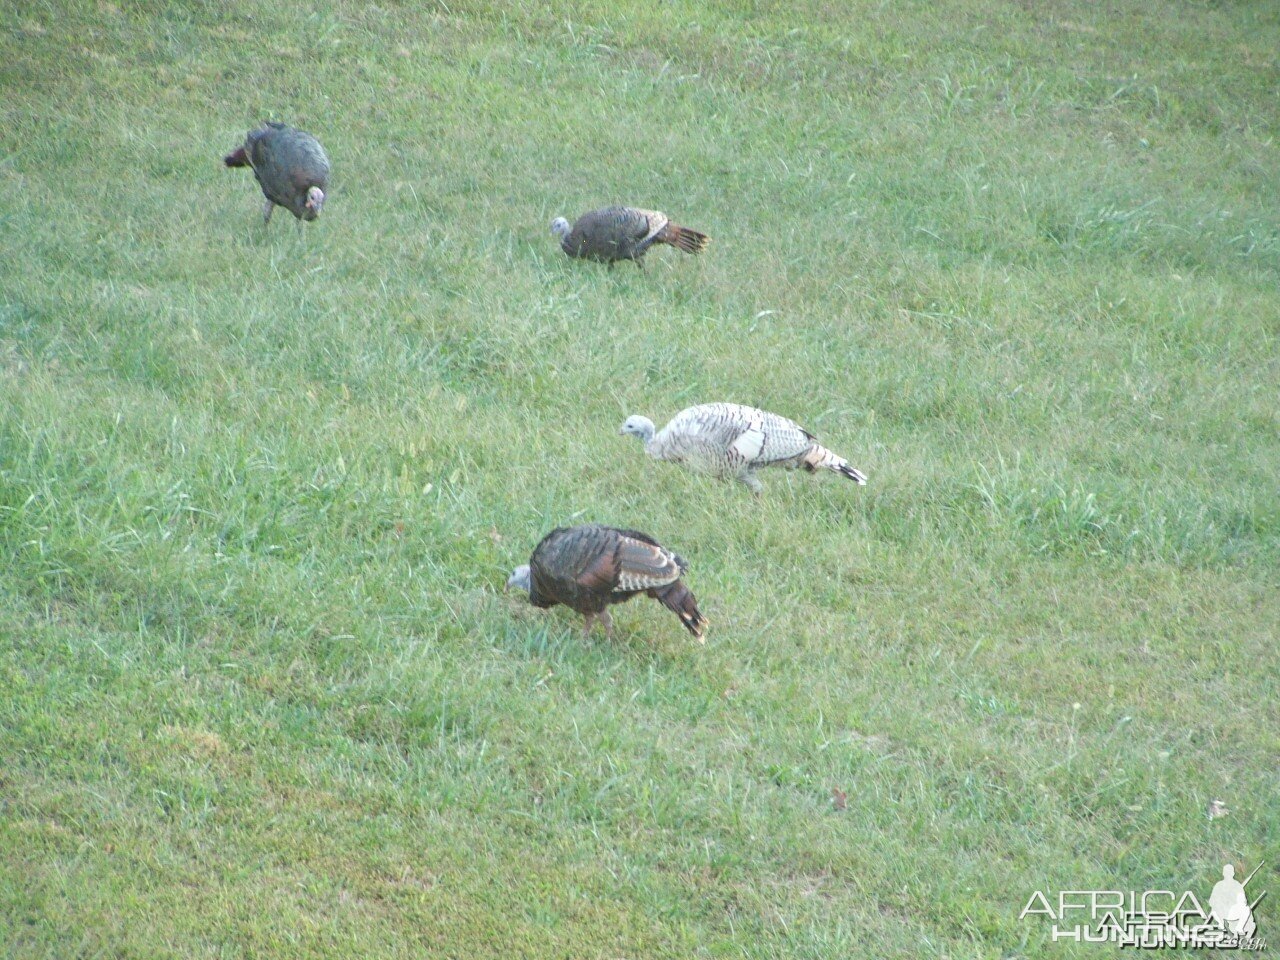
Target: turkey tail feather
[(857, 476), (236, 158), (690, 241), (677, 598), (820, 458)]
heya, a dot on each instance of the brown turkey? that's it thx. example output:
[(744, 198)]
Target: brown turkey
[(590, 567), (291, 168), (623, 233)]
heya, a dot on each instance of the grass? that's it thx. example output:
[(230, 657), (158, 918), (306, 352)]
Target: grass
[(260, 489)]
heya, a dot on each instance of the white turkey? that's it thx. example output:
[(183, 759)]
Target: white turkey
[(623, 233), (290, 166), (590, 567), (731, 441)]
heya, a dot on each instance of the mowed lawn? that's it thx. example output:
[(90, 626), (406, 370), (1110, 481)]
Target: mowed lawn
[(261, 693)]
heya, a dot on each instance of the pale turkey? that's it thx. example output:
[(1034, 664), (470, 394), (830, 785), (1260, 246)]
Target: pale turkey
[(623, 233), (290, 165), (729, 440), (590, 567)]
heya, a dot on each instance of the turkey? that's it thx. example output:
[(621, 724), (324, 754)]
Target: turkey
[(729, 440), (623, 233), (290, 166), (590, 567)]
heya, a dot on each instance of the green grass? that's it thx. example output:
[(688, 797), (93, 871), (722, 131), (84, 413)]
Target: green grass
[(260, 692)]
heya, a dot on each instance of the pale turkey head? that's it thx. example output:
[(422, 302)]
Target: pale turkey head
[(641, 427), (315, 201), (519, 578), (560, 227)]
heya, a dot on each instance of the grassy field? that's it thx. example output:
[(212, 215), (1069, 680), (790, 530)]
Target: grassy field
[(261, 694)]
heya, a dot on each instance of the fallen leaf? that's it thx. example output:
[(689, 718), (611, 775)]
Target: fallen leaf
[(839, 798)]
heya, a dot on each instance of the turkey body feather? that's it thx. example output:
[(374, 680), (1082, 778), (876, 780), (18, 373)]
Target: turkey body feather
[(623, 233), (733, 441), (589, 568), (290, 166)]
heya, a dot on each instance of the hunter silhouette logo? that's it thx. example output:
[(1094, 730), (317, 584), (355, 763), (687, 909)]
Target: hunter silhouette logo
[(1155, 919), (1230, 906)]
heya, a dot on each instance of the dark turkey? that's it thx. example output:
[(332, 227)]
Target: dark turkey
[(290, 166), (588, 568), (623, 233)]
